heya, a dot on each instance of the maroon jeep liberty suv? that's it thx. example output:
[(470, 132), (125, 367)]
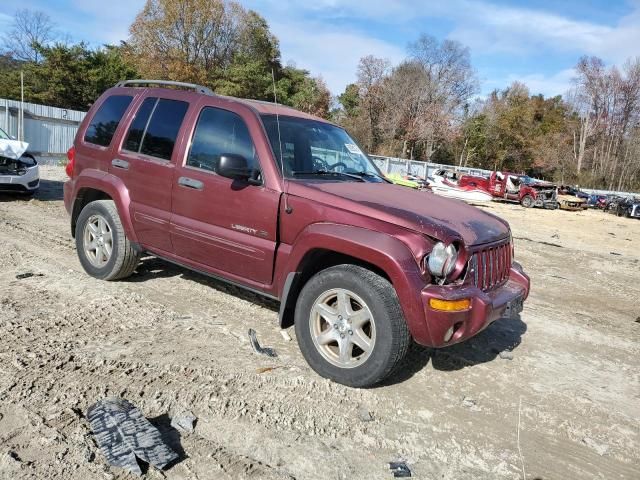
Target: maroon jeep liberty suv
[(287, 205)]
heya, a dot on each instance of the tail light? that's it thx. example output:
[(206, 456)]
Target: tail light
[(71, 155)]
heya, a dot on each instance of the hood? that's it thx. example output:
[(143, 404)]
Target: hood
[(12, 149), (540, 184), (571, 198), (437, 217)]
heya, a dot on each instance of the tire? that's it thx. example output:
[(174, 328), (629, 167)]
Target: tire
[(96, 221), (369, 295), (527, 201)]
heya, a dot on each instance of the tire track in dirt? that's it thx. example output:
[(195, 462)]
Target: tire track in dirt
[(68, 340)]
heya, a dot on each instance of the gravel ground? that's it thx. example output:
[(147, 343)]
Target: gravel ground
[(554, 393)]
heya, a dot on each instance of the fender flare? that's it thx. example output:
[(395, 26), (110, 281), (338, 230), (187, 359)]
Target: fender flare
[(382, 250), (112, 186)]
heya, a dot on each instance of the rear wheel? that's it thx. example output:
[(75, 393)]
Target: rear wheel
[(104, 250), (350, 326), (527, 201)]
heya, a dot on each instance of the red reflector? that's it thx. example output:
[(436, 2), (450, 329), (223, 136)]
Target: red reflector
[(71, 155)]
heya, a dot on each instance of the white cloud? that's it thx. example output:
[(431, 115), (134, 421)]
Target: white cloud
[(333, 54), (111, 20), (494, 28), (558, 83), (5, 22), (486, 27)]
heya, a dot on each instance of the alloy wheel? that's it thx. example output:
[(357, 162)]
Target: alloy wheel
[(98, 241), (342, 328)]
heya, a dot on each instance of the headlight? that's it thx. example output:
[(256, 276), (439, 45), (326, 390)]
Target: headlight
[(442, 260)]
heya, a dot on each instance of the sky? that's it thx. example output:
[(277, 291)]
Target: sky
[(537, 42)]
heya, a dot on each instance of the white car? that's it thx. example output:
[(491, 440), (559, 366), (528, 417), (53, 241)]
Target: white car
[(19, 171)]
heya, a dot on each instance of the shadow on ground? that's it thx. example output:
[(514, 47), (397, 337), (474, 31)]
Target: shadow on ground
[(171, 437), (504, 335), (152, 267), (49, 191)]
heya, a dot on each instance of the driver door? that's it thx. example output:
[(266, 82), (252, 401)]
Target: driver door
[(222, 225)]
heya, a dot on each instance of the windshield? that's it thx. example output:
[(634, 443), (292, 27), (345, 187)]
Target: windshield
[(3, 135), (528, 180), (317, 149)]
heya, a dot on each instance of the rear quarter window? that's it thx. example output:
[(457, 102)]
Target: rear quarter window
[(106, 120)]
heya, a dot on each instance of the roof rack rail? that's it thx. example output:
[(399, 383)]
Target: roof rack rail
[(193, 86)]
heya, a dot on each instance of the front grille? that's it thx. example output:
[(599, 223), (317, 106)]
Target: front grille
[(490, 267)]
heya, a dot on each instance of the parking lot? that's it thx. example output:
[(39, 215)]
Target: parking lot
[(554, 394)]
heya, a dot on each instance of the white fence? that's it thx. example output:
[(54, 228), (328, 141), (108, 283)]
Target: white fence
[(418, 168)]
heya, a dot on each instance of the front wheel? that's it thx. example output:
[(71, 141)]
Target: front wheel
[(104, 250), (527, 201), (350, 326)]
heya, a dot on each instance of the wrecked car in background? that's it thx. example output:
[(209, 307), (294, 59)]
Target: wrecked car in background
[(597, 201), (445, 183), (411, 181), (512, 187), (19, 171), (626, 207), (572, 199), (287, 205)]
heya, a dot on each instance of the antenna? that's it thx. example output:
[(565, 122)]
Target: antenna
[(285, 184)]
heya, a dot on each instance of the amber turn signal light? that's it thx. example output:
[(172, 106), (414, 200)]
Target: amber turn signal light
[(449, 305)]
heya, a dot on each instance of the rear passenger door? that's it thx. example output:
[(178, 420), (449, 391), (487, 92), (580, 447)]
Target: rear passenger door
[(145, 162), (224, 225)]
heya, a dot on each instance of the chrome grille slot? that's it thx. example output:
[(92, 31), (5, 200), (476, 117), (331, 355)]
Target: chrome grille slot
[(491, 266)]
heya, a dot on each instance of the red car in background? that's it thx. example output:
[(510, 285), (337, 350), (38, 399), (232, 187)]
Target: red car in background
[(513, 187)]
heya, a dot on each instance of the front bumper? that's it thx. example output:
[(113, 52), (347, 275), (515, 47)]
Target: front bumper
[(29, 182), (486, 308)]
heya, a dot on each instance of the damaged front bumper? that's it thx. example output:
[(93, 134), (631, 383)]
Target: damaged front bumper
[(443, 328), (28, 182)]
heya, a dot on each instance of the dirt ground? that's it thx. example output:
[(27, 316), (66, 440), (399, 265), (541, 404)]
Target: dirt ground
[(564, 404)]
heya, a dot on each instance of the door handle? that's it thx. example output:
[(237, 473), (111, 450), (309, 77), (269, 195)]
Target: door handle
[(191, 183), (123, 164)]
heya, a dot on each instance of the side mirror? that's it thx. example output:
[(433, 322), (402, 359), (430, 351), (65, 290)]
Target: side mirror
[(13, 137), (236, 167)]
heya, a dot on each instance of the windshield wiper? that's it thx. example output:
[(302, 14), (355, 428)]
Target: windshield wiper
[(368, 174), (327, 172)]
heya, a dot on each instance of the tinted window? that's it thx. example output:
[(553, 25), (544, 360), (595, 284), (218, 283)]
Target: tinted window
[(217, 132), (105, 122), (162, 130), (311, 146), (136, 131)]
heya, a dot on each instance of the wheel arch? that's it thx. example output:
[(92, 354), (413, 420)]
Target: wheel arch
[(96, 185), (325, 245)]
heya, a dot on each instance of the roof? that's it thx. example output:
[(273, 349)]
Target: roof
[(262, 107), (270, 108)]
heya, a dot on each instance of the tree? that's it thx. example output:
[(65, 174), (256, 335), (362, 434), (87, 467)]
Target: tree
[(68, 76), (350, 100), (371, 74), (29, 30), (425, 96), (200, 40), (607, 103), (222, 45)]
